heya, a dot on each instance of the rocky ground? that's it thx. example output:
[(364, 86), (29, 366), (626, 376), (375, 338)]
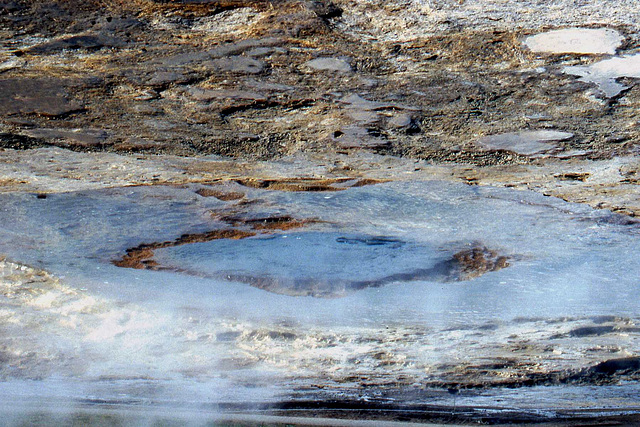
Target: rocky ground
[(145, 91)]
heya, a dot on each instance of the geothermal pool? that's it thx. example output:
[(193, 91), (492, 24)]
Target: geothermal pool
[(403, 296)]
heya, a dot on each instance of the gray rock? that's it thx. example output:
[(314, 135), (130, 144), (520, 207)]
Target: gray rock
[(325, 9), (73, 137), (260, 52), (11, 63), (159, 124), (182, 59), (403, 122), (358, 102), (199, 94), (364, 116), (146, 95), (164, 78), (267, 86), (329, 64), (45, 97), (87, 41), (240, 47), (119, 25), (400, 121), (357, 137), (259, 46), (525, 142), (134, 144), (236, 64)]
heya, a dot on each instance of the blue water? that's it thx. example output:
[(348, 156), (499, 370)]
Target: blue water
[(198, 320)]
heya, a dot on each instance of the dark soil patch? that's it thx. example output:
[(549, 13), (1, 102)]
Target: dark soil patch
[(20, 142)]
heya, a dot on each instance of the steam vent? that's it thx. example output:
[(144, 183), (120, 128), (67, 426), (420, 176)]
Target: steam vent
[(319, 213)]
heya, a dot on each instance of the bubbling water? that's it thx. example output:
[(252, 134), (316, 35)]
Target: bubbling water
[(424, 284)]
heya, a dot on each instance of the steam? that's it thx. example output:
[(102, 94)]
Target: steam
[(86, 331)]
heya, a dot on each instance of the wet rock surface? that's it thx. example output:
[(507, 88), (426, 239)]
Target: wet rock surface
[(464, 265), (267, 80), (606, 73), (311, 80), (374, 328)]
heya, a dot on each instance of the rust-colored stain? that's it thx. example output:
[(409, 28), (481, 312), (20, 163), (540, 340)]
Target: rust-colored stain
[(308, 184), (225, 196), (479, 260), (281, 223), (141, 257)]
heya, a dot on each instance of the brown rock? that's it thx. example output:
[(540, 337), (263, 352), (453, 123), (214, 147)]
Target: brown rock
[(42, 96)]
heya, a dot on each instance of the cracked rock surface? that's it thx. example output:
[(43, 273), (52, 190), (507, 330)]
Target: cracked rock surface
[(267, 80)]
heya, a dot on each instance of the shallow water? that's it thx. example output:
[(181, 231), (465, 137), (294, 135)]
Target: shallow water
[(606, 73), (215, 321)]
